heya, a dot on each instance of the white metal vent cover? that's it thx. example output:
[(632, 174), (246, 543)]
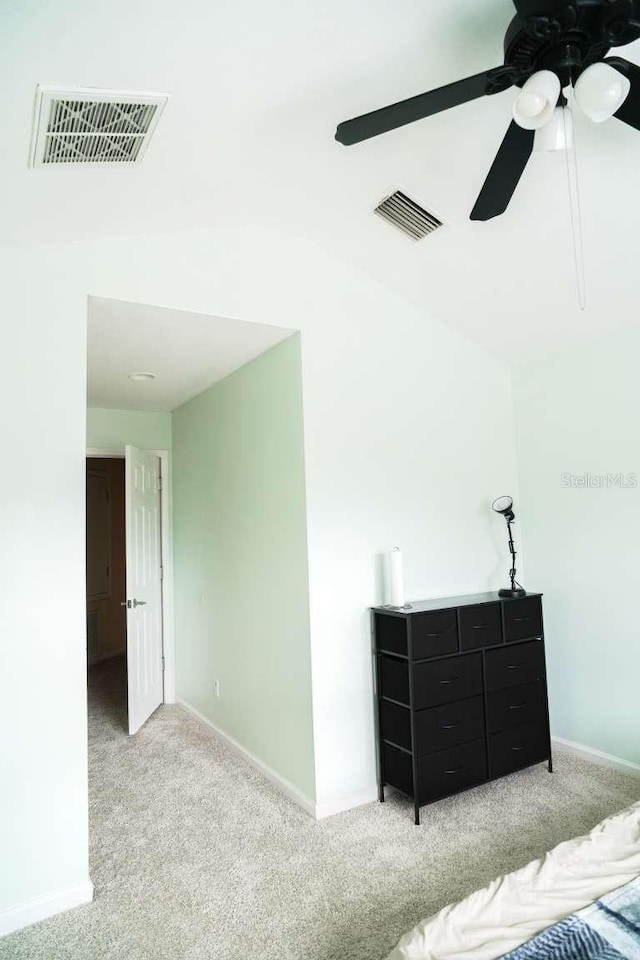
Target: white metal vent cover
[(408, 216), (88, 125)]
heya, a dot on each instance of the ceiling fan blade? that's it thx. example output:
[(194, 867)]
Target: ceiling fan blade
[(415, 108), (505, 173), (629, 112)]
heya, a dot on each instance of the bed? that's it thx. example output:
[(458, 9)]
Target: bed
[(581, 901)]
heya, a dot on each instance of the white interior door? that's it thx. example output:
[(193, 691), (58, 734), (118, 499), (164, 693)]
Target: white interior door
[(144, 586)]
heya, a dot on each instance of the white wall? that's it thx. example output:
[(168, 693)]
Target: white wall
[(112, 429), (408, 435), (578, 414), (43, 800)]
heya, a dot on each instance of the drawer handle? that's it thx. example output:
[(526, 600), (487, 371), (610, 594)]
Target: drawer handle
[(480, 626), (516, 706), (450, 680), (514, 666), (450, 726), (448, 773), (438, 634), (520, 619), (522, 746)]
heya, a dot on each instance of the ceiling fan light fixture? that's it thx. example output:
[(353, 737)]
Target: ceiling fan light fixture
[(557, 134), (537, 100), (547, 43), (601, 90)]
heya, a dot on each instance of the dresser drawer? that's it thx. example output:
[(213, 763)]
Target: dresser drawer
[(522, 619), (520, 747), (436, 729), (445, 681), (514, 665), (480, 626), (443, 727), (451, 770), (514, 706), (434, 634)]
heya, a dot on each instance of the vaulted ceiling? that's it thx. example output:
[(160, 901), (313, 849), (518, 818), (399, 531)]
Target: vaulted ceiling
[(256, 92)]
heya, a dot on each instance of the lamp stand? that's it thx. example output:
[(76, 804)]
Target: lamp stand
[(513, 591)]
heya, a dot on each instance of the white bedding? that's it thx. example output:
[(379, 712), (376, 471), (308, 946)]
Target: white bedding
[(514, 908)]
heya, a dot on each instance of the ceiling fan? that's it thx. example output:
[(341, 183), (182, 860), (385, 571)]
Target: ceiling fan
[(548, 46)]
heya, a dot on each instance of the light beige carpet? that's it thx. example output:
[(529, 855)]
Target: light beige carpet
[(195, 856)]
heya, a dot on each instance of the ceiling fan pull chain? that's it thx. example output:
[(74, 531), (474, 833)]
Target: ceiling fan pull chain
[(574, 198)]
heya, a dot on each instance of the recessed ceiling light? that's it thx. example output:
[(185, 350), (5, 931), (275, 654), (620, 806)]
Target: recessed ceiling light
[(142, 376)]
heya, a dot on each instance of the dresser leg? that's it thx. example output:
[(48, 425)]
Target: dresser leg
[(550, 764), (381, 792), (417, 813)]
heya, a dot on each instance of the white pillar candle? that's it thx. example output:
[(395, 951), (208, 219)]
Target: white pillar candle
[(396, 580)]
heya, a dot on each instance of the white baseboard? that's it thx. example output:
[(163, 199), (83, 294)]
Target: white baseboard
[(597, 756), (330, 808), (31, 911), (283, 785)]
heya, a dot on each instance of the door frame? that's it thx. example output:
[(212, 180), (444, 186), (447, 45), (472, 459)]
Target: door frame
[(168, 635)]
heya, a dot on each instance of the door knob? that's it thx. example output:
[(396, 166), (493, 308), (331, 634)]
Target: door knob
[(133, 603), (139, 603)]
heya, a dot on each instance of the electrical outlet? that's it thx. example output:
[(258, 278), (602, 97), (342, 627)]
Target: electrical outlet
[(216, 688)]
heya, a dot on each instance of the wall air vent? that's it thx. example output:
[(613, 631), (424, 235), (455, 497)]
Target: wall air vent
[(87, 125), (407, 215)]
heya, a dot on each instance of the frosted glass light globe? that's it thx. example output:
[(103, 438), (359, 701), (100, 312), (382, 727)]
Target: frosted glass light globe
[(537, 100), (614, 91), (531, 104), (600, 91)]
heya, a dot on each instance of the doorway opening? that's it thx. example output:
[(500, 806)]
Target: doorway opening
[(106, 588), (125, 571)]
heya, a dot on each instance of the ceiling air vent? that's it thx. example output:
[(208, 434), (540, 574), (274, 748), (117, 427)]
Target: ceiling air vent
[(407, 215), (87, 125)]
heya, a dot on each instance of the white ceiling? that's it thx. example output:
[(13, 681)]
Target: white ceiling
[(188, 352), (256, 92)]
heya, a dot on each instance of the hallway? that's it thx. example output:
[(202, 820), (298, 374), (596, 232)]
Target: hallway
[(195, 856), (107, 698)]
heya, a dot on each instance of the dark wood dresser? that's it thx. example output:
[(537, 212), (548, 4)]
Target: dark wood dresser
[(461, 693)]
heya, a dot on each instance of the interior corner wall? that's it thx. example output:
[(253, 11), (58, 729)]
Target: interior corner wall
[(579, 455), (241, 564)]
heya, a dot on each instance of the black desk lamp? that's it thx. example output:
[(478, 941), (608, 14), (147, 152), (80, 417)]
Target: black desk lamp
[(504, 505)]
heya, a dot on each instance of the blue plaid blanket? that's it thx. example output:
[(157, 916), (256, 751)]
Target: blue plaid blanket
[(607, 930)]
